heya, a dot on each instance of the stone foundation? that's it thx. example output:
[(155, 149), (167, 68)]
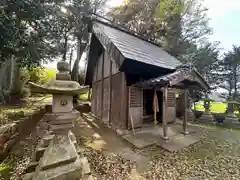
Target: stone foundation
[(10, 133)]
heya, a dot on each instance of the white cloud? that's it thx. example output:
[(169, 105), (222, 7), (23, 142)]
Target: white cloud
[(218, 8)]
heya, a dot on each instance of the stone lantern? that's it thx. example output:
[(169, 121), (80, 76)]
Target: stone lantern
[(207, 116), (60, 159), (231, 118)]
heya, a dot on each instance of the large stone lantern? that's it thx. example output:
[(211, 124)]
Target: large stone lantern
[(207, 116), (60, 159)]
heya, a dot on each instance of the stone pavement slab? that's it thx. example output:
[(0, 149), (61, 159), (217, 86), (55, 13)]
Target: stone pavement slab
[(141, 140), (152, 136), (178, 142)]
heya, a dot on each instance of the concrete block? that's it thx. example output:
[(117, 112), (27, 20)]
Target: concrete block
[(85, 166)]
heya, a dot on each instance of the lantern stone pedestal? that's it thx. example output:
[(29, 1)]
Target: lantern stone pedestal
[(56, 157), (207, 116)]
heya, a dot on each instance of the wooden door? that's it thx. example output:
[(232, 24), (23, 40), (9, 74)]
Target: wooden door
[(135, 107)]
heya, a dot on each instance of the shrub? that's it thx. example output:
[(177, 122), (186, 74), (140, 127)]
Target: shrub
[(83, 96), (41, 75)]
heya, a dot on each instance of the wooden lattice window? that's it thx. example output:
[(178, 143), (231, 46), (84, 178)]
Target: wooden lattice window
[(171, 99), (135, 97)]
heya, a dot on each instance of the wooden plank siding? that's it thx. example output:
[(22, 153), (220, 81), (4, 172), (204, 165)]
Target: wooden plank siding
[(107, 65), (114, 68), (99, 68), (93, 100), (119, 101), (106, 100), (110, 93), (99, 99)]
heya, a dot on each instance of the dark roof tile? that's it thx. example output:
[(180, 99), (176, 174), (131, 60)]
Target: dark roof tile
[(137, 49)]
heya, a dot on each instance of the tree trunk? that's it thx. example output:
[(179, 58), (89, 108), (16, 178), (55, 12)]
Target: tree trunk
[(65, 47), (235, 83), (16, 84), (75, 70), (230, 87), (70, 58)]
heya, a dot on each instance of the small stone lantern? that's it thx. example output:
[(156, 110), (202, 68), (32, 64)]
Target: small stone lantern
[(60, 159), (206, 104)]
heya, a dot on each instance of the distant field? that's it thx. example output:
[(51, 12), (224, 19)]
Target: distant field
[(216, 107)]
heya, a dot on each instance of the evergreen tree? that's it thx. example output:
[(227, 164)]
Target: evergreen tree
[(229, 68)]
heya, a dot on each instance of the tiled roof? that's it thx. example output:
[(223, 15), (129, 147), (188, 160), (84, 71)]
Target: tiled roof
[(132, 47), (182, 73)]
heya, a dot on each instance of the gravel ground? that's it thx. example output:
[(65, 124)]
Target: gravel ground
[(217, 156)]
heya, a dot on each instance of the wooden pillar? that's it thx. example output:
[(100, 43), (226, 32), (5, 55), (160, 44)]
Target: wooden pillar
[(165, 113), (110, 92), (185, 112), (127, 105), (155, 108), (102, 81)]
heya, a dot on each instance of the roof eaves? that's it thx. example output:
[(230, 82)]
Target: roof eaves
[(166, 79)]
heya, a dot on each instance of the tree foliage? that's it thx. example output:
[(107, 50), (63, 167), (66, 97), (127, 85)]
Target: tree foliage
[(180, 26), (230, 66), (175, 24), (24, 31)]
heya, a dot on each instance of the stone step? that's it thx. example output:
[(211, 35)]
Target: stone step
[(39, 153), (31, 167)]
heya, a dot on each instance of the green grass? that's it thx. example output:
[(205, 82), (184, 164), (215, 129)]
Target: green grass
[(215, 107), (217, 127)]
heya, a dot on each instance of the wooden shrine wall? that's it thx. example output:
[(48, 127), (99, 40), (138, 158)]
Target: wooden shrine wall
[(119, 101), (109, 93), (106, 100)]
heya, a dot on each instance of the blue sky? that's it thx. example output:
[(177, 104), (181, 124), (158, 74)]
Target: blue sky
[(227, 29), (225, 21)]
